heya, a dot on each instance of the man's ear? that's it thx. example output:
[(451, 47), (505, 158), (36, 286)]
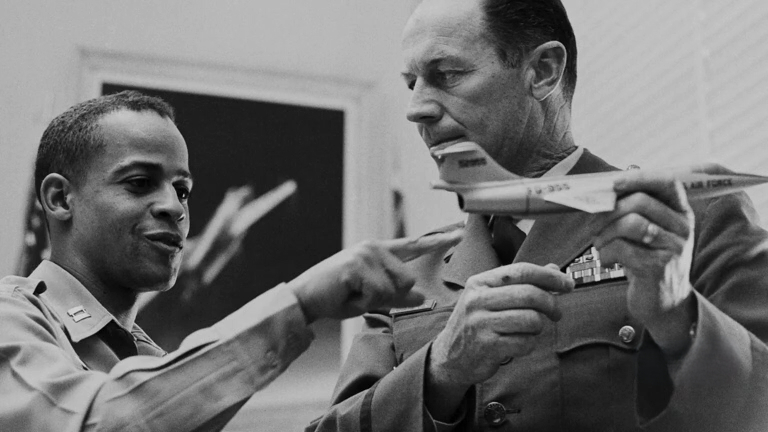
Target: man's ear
[(55, 196), (547, 65)]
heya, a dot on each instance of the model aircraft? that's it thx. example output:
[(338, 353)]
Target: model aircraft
[(483, 186)]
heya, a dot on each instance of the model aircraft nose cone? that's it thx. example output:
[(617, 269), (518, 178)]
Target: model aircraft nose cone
[(751, 179)]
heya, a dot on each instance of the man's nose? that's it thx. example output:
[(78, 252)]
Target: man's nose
[(168, 205), (424, 106)]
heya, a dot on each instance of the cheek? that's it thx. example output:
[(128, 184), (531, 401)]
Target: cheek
[(184, 225)]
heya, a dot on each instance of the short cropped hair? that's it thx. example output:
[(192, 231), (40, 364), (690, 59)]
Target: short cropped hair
[(72, 138), (516, 27)]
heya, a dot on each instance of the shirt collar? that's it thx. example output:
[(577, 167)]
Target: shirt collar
[(82, 315), (560, 169), (566, 165)]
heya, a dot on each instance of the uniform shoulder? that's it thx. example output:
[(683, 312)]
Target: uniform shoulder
[(426, 269)]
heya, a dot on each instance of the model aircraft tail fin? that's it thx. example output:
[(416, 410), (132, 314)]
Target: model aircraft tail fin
[(467, 163)]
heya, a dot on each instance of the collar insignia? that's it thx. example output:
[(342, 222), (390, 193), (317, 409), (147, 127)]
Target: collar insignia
[(78, 313)]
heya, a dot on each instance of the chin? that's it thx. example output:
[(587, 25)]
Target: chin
[(157, 281)]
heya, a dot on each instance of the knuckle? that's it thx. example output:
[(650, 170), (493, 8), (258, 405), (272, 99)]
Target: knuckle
[(526, 296), (366, 247), (532, 322), (537, 322), (634, 200), (413, 243), (687, 229), (406, 281), (633, 220), (472, 299), (474, 283), (522, 272), (353, 263), (348, 278)]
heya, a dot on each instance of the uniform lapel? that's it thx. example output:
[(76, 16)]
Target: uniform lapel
[(473, 255)]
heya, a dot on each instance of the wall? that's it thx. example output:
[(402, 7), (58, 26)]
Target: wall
[(671, 83)]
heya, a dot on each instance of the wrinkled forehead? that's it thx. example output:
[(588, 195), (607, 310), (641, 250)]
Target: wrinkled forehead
[(443, 28), (443, 17)]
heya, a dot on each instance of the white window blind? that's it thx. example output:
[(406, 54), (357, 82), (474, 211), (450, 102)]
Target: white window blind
[(665, 83)]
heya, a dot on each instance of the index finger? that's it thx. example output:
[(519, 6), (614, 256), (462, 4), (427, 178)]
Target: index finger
[(548, 278), (663, 187), (407, 249), (711, 168)]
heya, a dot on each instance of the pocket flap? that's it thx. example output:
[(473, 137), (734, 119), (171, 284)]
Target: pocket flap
[(597, 315)]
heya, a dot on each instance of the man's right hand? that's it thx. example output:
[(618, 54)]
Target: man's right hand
[(367, 276), (498, 316)]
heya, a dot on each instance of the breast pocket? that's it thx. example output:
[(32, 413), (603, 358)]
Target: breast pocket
[(597, 346), (597, 315), (413, 331)]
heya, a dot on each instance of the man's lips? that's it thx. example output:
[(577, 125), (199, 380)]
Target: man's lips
[(444, 145), (440, 144), (167, 240)]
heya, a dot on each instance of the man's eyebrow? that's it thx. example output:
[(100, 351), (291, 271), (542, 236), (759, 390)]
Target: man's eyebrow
[(148, 166), (434, 61)]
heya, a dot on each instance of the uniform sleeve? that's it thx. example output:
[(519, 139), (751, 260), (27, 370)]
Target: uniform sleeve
[(199, 387), (721, 384), (370, 383)]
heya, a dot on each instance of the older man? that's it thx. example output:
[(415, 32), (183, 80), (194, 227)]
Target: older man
[(672, 339), (113, 180)]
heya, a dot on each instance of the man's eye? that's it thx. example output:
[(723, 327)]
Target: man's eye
[(411, 84), (139, 182), (445, 78), (183, 193)]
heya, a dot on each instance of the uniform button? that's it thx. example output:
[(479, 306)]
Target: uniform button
[(506, 361), (627, 334), (495, 413)]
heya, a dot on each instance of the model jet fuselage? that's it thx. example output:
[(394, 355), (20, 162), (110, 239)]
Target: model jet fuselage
[(483, 186)]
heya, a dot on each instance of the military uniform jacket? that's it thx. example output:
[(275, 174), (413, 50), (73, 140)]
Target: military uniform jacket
[(596, 369)]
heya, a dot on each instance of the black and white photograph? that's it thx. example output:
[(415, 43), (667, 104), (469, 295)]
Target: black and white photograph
[(396, 216)]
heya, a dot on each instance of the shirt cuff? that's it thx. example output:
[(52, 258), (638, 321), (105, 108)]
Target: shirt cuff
[(270, 329)]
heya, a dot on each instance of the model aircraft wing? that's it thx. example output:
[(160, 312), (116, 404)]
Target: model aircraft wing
[(590, 200)]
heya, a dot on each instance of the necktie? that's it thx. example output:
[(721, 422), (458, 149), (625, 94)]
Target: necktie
[(507, 238)]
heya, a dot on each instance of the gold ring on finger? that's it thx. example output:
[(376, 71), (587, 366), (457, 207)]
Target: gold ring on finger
[(651, 231)]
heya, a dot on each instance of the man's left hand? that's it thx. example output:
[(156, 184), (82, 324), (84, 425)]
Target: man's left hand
[(650, 233)]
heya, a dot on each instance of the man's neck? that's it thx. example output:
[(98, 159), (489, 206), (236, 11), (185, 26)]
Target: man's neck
[(547, 159), (118, 301), (551, 138)]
